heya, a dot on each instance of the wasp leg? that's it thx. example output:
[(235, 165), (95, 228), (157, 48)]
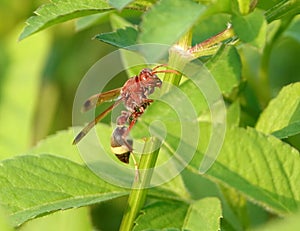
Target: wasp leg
[(136, 167), (138, 111)]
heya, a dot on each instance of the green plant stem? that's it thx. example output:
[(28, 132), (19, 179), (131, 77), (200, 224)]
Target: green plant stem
[(138, 194), (147, 163), (177, 60), (282, 9)]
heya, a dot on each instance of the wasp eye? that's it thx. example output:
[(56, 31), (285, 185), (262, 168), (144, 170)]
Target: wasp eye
[(144, 77)]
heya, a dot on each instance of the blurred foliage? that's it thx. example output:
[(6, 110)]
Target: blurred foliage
[(68, 57), (63, 67)]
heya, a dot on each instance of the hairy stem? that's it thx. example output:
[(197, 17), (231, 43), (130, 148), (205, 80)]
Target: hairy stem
[(210, 45)]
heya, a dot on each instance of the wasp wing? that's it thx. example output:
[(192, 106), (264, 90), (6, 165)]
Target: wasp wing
[(91, 124), (97, 99)]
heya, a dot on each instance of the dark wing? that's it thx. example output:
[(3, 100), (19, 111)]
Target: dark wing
[(97, 99), (88, 127)]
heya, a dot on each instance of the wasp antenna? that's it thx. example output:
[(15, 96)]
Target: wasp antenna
[(78, 137), (166, 71), (161, 65), (136, 168)]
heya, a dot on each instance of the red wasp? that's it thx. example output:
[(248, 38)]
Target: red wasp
[(134, 95)]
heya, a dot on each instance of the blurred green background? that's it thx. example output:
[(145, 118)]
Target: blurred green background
[(64, 57), (38, 80)]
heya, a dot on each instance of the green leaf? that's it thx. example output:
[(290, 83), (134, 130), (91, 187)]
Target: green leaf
[(249, 162), (233, 114), (293, 29), (272, 31), (290, 130), (289, 223), (203, 214), (142, 5), (121, 38), (173, 189), (203, 29), (59, 220), (169, 20), (60, 11), (219, 6), (36, 185), (261, 167), (282, 112), (119, 22), (19, 91), (119, 4), (4, 223), (199, 186), (225, 67), (251, 28), (59, 144), (91, 20), (129, 58)]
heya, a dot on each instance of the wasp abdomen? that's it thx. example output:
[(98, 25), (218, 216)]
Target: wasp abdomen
[(124, 157), (121, 147)]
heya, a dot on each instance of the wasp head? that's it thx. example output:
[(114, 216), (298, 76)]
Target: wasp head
[(149, 79)]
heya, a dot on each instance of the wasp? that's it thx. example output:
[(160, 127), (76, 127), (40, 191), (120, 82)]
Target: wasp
[(134, 95)]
